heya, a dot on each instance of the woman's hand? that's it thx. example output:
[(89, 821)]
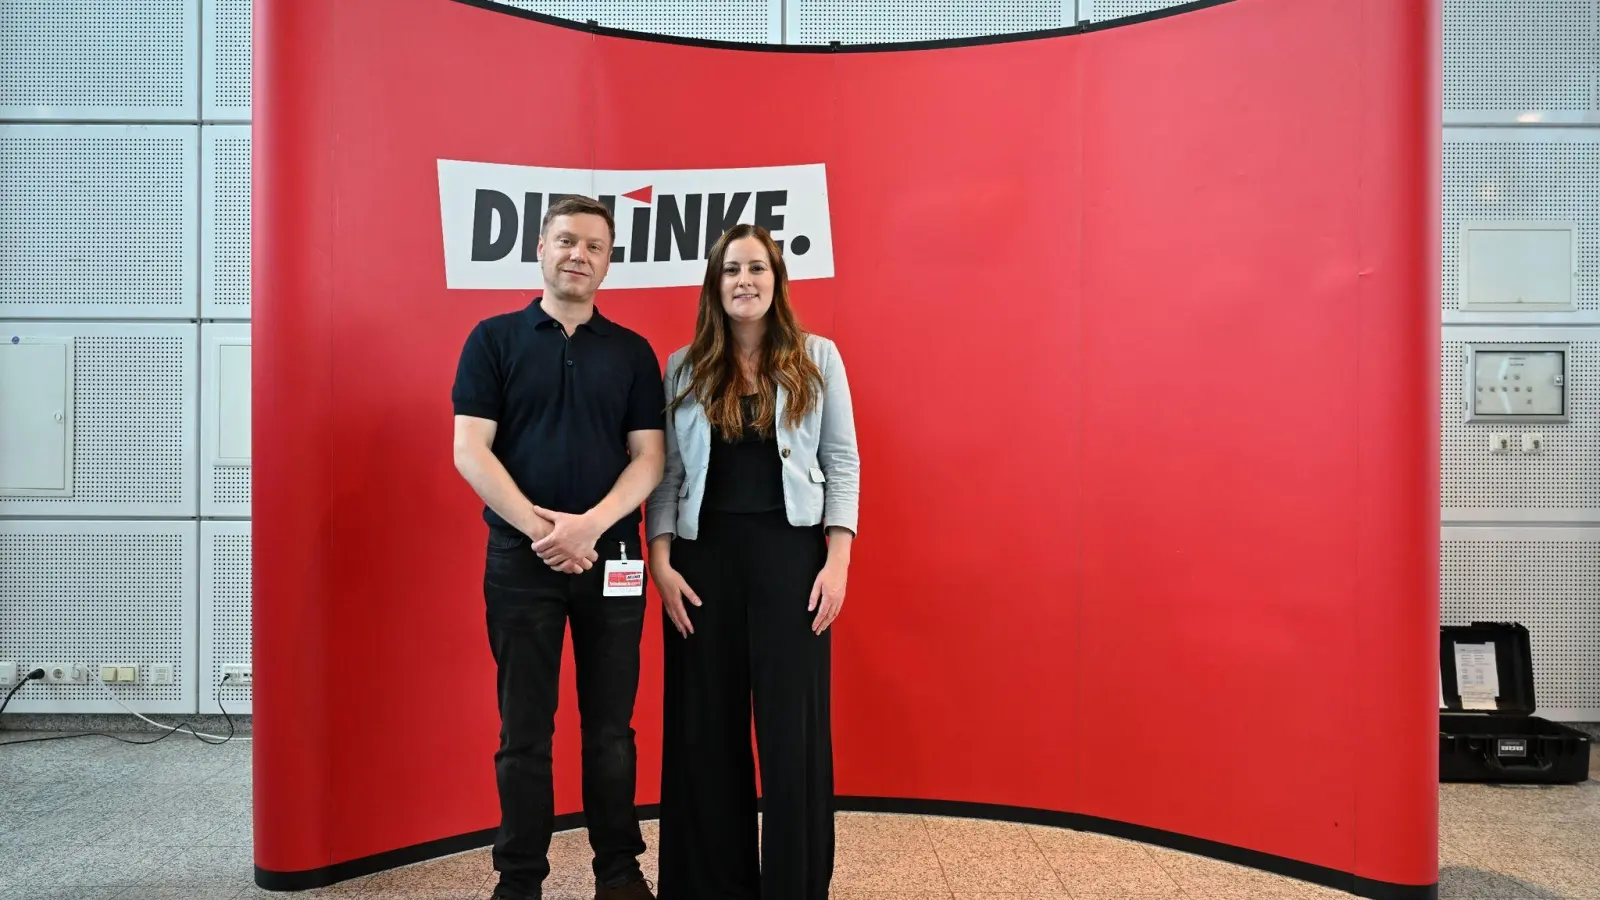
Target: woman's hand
[(827, 592), (674, 590)]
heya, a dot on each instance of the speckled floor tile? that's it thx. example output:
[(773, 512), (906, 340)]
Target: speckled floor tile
[(888, 895), (100, 867), (192, 891), (452, 878), (1198, 874), (1273, 888), (1469, 883), (1086, 844), (66, 892), (1094, 864), (975, 836), (202, 864), (881, 870), (95, 820), (872, 832), (1553, 877), (1095, 894), (1147, 882), (1004, 871), (987, 895)]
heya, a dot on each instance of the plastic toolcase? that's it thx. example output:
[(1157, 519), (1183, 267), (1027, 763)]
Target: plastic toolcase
[(1506, 743)]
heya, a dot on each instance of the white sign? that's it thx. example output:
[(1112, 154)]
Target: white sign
[(667, 220), (1477, 674)]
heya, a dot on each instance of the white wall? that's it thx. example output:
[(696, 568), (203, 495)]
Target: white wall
[(1521, 537), (125, 250), (125, 164)]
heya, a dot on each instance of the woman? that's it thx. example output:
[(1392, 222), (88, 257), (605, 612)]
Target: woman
[(750, 533)]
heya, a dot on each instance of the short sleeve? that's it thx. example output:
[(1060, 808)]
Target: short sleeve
[(645, 406), (477, 391)]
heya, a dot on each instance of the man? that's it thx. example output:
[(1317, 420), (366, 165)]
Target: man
[(558, 427)]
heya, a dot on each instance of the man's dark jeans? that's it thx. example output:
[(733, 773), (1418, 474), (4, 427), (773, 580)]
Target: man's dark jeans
[(528, 607)]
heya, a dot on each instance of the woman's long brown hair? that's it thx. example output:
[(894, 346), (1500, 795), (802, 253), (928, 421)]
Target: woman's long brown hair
[(715, 377)]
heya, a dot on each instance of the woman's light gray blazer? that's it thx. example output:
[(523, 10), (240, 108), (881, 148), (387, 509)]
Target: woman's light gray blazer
[(821, 465)]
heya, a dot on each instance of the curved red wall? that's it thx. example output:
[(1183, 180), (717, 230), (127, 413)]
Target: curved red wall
[(1141, 324)]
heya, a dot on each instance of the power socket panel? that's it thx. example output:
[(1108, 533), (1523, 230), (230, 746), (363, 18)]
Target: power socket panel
[(8, 673), (65, 673), (237, 673)]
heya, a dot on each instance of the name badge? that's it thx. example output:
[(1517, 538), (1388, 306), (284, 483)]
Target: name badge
[(817, 476), (624, 577)]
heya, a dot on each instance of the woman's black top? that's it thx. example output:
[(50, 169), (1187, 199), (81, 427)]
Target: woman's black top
[(746, 475)]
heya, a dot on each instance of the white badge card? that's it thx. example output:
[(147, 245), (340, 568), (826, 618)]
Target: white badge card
[(624, 577), (816, 476)]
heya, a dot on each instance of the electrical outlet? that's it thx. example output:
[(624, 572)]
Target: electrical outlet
[(1499, 443), (66, 673), (8, 673), (1532, 443), (237, 673), (161, 673)]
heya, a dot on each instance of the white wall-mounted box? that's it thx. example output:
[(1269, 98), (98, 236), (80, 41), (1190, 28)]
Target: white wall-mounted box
[(133, 411), (1519, 267), (1516, 382), (35, 416), (225, 417)]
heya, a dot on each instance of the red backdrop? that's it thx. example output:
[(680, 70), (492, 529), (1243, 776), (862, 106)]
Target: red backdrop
[(1141, 325)]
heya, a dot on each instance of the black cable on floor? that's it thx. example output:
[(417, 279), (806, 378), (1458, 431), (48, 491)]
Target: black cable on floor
[(37, 674)]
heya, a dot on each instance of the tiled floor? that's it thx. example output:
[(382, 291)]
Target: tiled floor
[(91, 819)]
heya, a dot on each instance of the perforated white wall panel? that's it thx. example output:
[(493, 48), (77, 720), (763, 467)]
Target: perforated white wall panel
[(891, 21), (224, 614), (225, 222), (226, 60), (98, 220), (1560, 483), (1549, 580), (134, 409), (100, 593), (224, 409), (1101, 10), (749, 21), (1530, 174), (74, 59), (1520, 55)]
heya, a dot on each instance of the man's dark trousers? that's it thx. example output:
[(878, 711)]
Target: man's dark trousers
[(528, 608)]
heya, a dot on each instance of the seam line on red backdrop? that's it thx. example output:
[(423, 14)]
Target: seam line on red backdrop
[(1082, 339), (1360, 339)]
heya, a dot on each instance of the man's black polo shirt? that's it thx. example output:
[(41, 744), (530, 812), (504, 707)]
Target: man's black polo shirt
[(564, 405)]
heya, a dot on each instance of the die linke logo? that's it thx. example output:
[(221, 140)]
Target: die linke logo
[(625, 579), (667, 220)]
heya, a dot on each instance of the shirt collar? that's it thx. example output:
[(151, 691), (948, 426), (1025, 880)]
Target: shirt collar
[(597, 323)]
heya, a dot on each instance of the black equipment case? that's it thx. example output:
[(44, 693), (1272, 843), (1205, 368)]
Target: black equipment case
[(1507, 743)]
